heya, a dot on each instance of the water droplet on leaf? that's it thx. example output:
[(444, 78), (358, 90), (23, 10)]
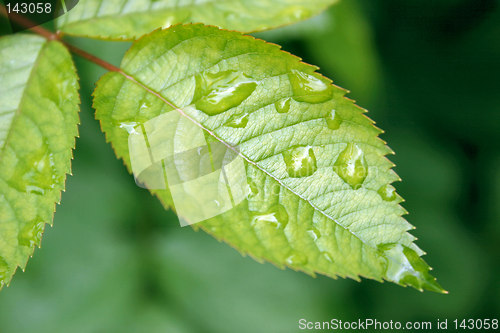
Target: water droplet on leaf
[(297, 12), (351, 166), (327, 256), (404, 266), (283, 106), (145, 106), (276, 217), (333, 120), (300, 161), (4, 268), (253, 189), (387, 192), (308, 88), (129, 127), (31, 234), (36, 173), (314, 233), (219, 92), (296, 259), (238, 121)]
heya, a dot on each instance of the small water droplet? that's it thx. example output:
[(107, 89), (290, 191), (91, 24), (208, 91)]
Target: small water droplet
[(36, 173), (253, 189), (214, 228), (237, 121), (144, 106), (351, 166), (31, 234), (283, 106), (308, 88), (219, 92), (327, 256), (333, 120), (276, 217), (297, 12), (296, 259), (404, 266), (4, 268), (129, 127), (314, 233), (300, 161), (387, 192)]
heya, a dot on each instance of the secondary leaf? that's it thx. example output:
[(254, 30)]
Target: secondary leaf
[(320, 198), (127, 19), (38, 124)]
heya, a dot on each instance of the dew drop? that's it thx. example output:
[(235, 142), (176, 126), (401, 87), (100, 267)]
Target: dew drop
[(238, 121), (276, 217), (129, 127), (4, 268), (214, 228), (296, 259), (351, 166), (404, 266), (308, 88), (219, 92), (314, 233), (333, 120), (31, 234), (387, 192), (145, 106), (253, 189), (297, 12), (283, 106), (36, 173), (300, 161), (327, 256)]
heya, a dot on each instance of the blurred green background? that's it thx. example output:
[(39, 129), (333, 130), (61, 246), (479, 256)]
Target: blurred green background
[(115, 261)]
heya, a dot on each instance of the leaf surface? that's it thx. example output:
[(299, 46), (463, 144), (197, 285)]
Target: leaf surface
[(127, 19), (38, 124), (319, 194)]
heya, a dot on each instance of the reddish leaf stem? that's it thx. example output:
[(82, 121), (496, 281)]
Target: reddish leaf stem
[(49, 35)]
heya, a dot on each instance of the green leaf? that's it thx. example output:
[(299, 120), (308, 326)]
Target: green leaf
[(319, 193), (128, 19), (38, 124)]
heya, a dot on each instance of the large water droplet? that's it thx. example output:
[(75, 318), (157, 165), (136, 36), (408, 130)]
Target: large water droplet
[(283, 106), (404, 266), (314, 233), (37, 174), (296, 259), (351, 166), (387, 192), (4, 268), (31, 234), (333, 120), (219, 92), (276, 216), (237, 120), (129, 127), (308, 88), (300, 161)]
